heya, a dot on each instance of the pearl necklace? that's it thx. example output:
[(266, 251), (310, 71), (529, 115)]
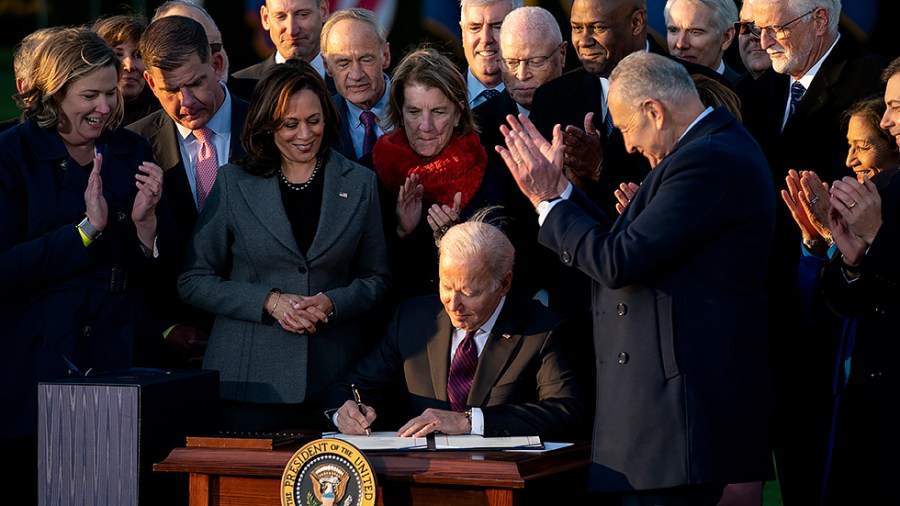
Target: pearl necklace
[(304, 185)]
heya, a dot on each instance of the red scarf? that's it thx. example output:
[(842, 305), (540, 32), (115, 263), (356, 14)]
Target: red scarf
[(458, 168)]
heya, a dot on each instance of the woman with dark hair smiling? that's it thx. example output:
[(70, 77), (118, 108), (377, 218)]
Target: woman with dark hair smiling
[(289, 254)]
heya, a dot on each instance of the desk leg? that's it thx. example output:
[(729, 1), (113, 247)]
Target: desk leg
[(502, 497), (199, 487)]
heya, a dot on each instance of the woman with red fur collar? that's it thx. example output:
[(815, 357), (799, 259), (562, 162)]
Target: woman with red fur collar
[(432, 166)]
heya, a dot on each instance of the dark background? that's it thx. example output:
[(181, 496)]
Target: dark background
[(872, 22)]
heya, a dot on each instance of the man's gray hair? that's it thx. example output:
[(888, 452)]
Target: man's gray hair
[(642, 75), (463, 4), (531, 20), (357, 14), (724, 12), (478, 240), (800, 7)]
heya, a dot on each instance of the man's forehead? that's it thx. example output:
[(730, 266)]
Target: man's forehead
[(291, 5), (490, 13), (186, 73), (526, 44), (593, 11)]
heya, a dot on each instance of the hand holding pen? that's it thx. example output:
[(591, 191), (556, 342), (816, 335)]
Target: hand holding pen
[(362, 408), (354, 417)]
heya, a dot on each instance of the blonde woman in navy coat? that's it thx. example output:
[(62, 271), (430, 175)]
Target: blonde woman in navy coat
[(289, 253), (78, 211)]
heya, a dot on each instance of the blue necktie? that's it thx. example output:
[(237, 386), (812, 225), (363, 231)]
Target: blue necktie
[(797, 92), (488, 94), (608, 124)]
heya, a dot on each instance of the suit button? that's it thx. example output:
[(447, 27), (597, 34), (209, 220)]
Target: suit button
[(566, 257), (86, 330), (621, 309), (122, 216), (623, 358), (301, 269)]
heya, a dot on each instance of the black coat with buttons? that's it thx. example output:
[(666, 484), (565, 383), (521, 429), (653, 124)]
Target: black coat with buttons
[(67, 308), (679, 310)]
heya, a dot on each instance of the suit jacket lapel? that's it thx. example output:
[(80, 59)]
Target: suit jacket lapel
[(264, 200), (821, 89), (439, 355), (501, 344), (341, 200)]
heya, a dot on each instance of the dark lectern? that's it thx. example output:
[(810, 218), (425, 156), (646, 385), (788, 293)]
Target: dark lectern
[(99, 436)]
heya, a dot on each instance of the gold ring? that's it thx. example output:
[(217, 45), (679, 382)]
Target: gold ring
[(155, 194), (852, 204)]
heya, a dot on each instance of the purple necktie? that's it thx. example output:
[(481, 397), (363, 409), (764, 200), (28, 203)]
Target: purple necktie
[(368, 120), (207, 165), (462, 372)]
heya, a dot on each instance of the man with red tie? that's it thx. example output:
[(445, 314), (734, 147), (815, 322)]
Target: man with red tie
[(356, 54), (472, 359)]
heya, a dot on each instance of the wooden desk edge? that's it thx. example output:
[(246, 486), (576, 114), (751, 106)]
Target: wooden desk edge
[(411, 467)]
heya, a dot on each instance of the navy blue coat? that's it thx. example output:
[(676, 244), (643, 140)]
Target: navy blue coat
[(683, 361), (64, 304)]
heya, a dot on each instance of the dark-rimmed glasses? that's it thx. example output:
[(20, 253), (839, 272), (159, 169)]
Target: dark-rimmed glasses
[(778, 32), (534, 63)]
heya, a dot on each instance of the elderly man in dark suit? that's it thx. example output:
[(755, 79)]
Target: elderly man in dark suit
[(472, 359), (794, 111), (678, 289), (294, 27), (356, 54), (532, 52), (196, 131)]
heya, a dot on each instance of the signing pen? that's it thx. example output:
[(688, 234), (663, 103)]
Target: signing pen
[(360, 406)]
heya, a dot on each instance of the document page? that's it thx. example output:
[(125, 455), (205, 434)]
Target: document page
[(381, 441), (390, 441)]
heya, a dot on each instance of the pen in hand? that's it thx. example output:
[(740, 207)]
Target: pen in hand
[(359, 404)]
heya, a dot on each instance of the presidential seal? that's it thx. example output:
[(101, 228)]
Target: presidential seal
[(328, 472)]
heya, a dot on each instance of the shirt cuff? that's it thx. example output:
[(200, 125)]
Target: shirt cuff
[(477, 422), (546, 210)]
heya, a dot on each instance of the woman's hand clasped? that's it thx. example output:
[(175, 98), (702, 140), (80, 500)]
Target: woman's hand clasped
[(297, 313)]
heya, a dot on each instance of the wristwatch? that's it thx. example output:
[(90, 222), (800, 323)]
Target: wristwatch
[(544, 204), (89, 230)]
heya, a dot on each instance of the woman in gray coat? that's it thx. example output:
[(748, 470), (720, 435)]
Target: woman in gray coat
[(289, 254)]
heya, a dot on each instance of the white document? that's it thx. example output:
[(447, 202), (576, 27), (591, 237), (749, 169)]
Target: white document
[(390, 441)]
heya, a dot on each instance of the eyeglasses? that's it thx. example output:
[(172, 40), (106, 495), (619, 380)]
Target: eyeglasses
[(778, 32), (746, 28), (534, 63)]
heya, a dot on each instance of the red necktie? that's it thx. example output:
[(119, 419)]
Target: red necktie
[(462, 372), (368, 120), (207, 165)]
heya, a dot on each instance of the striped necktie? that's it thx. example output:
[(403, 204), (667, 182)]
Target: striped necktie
[(462, 372)]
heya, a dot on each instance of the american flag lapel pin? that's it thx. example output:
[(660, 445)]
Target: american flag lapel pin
[(342, 195), (506, 336)]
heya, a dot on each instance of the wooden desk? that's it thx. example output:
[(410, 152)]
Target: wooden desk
[(230, 477)]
